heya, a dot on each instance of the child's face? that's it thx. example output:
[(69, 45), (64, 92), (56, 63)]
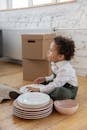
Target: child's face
[(53, 54)]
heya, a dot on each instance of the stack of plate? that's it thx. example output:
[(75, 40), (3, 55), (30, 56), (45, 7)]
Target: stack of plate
[(32, 105)]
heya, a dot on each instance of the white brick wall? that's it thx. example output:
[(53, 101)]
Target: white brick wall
[(68, 19)]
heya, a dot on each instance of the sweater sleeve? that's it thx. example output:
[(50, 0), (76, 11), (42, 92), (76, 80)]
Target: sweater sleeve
[(50, 77), (59, 81)]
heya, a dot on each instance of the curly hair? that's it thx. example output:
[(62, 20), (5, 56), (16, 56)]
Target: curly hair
[(66, 46)]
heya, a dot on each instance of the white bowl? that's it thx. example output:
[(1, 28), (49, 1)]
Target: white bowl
[(68, 106)]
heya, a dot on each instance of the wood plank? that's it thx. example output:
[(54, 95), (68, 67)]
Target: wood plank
[(12, 75)]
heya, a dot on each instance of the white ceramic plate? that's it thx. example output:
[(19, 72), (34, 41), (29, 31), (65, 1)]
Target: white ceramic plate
[(33, 99), (18, 107), (15, 110), (32, 117), (25, 89)]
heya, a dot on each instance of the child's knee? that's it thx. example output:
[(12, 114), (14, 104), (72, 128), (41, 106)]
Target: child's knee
[(64, 94), (60, 94)]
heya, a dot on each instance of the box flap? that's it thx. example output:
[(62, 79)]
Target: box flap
[(38, 36)]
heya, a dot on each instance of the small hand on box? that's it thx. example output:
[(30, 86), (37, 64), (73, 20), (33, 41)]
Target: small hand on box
[(39, 80), (36, 81)]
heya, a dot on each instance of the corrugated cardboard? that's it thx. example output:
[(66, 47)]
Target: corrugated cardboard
[(35, 68), (36, 46)]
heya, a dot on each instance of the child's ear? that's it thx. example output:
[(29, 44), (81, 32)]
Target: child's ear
[(61, 57)]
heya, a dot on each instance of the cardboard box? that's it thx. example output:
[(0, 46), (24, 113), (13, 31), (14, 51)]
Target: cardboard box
[(36, 46), (35, 68)]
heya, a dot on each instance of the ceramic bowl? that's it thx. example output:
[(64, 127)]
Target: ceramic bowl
[(67, 107)]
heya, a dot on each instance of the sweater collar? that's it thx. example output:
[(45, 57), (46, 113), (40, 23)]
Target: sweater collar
[(59, 64)]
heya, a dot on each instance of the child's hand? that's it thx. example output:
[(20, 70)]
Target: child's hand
[(31, 89), (39, 80)]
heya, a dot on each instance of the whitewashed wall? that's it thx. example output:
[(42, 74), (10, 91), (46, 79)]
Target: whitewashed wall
[(68, 19), (3, 4)]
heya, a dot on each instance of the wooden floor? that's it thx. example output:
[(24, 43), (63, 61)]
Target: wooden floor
[(12, 75)]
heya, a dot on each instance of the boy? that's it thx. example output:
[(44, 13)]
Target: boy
[(62, 84)]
